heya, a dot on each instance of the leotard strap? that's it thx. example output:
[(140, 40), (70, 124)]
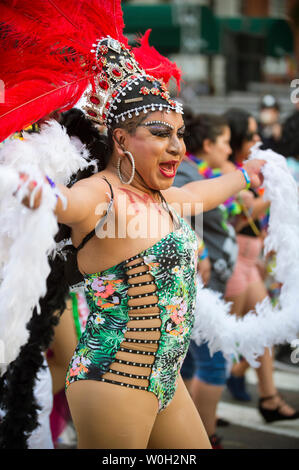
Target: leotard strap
[(101, 222)]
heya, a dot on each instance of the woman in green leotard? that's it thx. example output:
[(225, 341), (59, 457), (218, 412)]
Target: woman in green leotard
[(108, 383), (138, 261)]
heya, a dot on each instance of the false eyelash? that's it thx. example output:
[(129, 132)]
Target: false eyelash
[(164, 133), (167, 134), (159, 133)]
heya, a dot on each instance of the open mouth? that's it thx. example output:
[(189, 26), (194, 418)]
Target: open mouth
[(168, 169)]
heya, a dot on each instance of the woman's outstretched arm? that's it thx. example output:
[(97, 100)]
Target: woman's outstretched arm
[(76, 202), (215, 191)]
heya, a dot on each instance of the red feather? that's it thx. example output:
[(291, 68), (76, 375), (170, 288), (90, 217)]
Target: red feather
[(45, 59), (22, 107)]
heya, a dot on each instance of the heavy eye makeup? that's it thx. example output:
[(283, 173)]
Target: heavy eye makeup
[(164, 131)]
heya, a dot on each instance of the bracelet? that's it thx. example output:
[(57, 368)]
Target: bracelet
[(204, 254), (201, 245), (52, 184), (246, 176)]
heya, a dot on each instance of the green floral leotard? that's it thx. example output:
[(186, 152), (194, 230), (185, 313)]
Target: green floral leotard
[(172, 263)]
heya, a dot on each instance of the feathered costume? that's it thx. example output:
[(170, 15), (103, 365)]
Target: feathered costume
[(52, 53), (269, 324), (47, 57)]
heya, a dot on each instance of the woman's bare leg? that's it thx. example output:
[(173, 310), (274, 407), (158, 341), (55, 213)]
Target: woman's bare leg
[(206, 398), (108, 416), (189, 385), (256, 292), (238, 303), (247, 301), (179, 426), (238, 308), (63, 346)]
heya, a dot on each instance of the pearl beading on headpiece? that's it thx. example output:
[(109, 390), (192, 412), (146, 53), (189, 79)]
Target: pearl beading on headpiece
[(147, 108), (163, 123)]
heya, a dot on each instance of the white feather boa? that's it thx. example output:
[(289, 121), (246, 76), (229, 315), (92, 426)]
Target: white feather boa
[(27, 236), (270, 325)]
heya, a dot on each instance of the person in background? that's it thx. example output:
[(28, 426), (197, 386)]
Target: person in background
[(66, 336), (246, 287), (269, 125), (288, 146), (207, 143)]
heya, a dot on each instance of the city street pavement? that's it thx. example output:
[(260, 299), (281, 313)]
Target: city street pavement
[(247, 429)]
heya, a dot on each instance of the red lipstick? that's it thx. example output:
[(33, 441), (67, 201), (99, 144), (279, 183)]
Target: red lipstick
[(168, 169)]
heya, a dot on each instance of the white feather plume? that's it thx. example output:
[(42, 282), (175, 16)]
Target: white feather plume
[(52, 151), (27, 236)]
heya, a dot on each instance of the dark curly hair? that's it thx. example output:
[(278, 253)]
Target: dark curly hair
[(238, 121), (200, 127), (288, 144)]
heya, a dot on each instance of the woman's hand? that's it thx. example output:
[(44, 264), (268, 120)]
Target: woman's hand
[(247, 198), (253, 168)]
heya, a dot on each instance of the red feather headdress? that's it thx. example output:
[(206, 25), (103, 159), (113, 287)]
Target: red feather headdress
[(47, 59)]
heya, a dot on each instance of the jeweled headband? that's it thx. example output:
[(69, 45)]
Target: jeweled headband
[(122, 88)]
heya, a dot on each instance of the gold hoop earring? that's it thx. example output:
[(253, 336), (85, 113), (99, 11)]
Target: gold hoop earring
[(128, 154)]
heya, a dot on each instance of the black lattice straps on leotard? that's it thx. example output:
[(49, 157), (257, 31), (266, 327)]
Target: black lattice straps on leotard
[(131, 264), (114, 382), (137, 351)]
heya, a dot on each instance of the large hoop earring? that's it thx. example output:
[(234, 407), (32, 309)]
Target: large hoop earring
[(127, 153)]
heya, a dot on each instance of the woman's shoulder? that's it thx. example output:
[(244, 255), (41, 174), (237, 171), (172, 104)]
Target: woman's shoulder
[(95, 185)]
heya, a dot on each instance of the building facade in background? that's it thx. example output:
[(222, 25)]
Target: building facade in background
[(222, 45)]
